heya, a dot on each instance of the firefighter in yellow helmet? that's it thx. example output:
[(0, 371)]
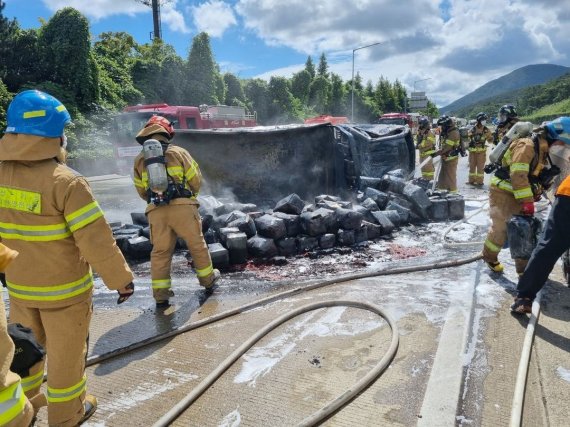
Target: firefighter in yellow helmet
[(449, 147), (16, 411), (425, 143), (478, 135), (169, 179), (49, 216), (523, 175)]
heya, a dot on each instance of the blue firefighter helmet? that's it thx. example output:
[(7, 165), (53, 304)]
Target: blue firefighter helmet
[(37, 113), (559, 129)]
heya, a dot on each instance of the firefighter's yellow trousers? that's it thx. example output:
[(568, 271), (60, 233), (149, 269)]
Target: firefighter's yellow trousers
[(64, 333), (447, 179), (502, 206), (476, 165), (427, 169), (166, 223)]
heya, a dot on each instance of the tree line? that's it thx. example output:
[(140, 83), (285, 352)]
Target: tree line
[(94, 80)]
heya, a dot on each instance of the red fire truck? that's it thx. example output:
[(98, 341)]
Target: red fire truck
[(133, 118), (400, 119)]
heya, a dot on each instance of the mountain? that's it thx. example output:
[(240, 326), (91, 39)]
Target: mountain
[(523, 77)]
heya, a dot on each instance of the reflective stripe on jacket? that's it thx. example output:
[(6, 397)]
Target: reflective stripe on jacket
[(478, 135), (12, 402), (449, 143), (49, 215), (180, 166)]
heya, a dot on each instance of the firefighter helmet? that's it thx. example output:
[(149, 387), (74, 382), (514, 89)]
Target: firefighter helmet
[(558, 129), (423, 123), (445, 121), (37, 113), (481, 116), (163, 122), (507, 112), (157, 127)]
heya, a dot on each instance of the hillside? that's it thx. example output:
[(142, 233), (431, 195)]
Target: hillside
[(535, 103), (530, 75)]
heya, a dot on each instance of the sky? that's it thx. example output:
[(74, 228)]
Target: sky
[(447, 48)]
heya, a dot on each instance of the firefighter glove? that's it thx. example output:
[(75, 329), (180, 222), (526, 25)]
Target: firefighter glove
[(125, 293), (527, 208)]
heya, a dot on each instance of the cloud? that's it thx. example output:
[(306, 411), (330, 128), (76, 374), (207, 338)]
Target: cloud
[(173, 18), (98, 9), (213, 17)]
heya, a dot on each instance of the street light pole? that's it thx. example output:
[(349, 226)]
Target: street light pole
[(352, 86)]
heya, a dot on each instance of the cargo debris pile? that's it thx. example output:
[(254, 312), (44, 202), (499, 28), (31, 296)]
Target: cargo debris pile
[(236, 232)]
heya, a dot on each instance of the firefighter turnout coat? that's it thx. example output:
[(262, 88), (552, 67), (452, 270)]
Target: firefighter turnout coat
[(478, 136), (16, 409), (449, 150), (425, 142), (523, 160), (179, 217), (49, 215)]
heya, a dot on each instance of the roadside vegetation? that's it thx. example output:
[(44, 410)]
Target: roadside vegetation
[(95, 79)]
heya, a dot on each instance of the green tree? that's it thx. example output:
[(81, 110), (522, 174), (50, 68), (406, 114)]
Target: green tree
[(284, 107), (66, 56), (300, 85), (319, 94), (201, 73), (234, 94), (323, 69), (5, 98), (258, 100), (337, 105), (310, 67)]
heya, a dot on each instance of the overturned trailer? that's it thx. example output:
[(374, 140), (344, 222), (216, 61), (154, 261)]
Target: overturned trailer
[(262, 164)]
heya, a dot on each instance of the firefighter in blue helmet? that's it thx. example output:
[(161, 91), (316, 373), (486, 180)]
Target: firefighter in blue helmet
[(50, 217)]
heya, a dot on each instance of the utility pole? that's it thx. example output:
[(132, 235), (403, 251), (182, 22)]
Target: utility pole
[(155, 5), (352, 90)]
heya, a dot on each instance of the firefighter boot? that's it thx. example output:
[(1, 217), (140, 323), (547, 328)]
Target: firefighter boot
[(211, 285), (162, 296), (90, 406), (522, 306), (495, 266)]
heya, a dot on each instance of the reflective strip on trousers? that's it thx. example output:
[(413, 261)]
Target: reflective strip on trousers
[(57, 395), (205, 272), (12, 403), (33, 381), (501, 184), (523, 193), (84, 216), (51, 293), (492, 247), (161, 283), (34, 233)]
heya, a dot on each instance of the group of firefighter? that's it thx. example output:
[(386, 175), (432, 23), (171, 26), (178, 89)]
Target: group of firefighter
[(54, 233), (521, 174)]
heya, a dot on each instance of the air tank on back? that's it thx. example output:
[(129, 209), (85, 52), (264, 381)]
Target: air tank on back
[(155, 165)]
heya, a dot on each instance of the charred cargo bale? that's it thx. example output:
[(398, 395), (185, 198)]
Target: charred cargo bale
[(307, 243), (456, 204), (139, 247), (237, 247), (287, 246), (348, 219), (366, 213), (368, 181), (384, 222), (403, 212), (418, 198), (398, 173), (423, 183), (317, 222), (328, 204), (233, 206), (139, 218), (219, 222), (123, 243), (370, 204), (245, 224), (361, 234), (130, 232), (393, 184), (292, 204), (115, 225), (327, 241), (328, 197), (261, 247), (233, 215), (224, 232), (206, 221), (345, 237), (292, 223), (219, 255), (145, 232), (378, 196), (373, 231), (256, 214), (394, 217), (210, 236), (269, 226), (439, 209)]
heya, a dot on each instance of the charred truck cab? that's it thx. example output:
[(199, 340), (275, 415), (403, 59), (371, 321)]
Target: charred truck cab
[(133, 118)]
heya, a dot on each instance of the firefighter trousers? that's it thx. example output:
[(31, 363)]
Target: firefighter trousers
[(554, 241), (427, 169), (447, 179), (476, 164), (64, 333), (166, 223), (502, 206)]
